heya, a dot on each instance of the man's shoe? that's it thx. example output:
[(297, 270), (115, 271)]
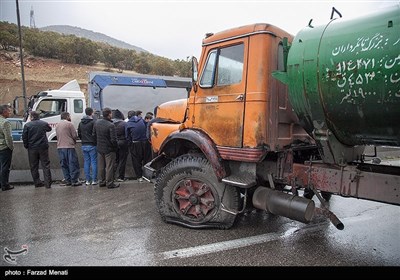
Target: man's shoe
[(76, 184), (94, 183), (87, 183), (120, 180), (140, 180), (113, 186), (65, 184), (39, 185), (7, 188), (102, 184)]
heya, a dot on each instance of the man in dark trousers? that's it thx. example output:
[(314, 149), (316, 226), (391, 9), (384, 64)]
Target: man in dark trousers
[(123, 145), (35, 140), (107, 146), (135, 132), (6, 147)]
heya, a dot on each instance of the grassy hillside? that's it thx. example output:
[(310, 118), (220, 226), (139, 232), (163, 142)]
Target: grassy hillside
[(40, 74)]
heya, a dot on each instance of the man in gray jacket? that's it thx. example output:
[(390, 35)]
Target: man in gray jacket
[(6, 148), (66, 141)]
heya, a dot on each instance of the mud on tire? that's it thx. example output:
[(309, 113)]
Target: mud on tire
[(188, 193)]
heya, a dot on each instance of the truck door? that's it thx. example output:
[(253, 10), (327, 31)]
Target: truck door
[(219, 102), (49, 111)]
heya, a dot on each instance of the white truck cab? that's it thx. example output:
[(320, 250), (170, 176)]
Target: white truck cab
[(51, 103)]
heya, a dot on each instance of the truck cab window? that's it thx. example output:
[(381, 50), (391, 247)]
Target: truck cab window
[(224, 66), (230, 65), (207, 78), (281, 61), (78, 106)]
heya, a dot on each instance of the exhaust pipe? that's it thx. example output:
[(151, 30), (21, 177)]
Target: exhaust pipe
[(293, 207)]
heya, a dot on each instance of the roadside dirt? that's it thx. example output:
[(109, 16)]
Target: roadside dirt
[(40, 74)]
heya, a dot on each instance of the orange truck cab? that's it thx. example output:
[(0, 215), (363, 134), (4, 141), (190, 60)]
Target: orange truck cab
[(235, 115)]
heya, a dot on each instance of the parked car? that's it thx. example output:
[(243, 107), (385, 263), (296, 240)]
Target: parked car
[(16, 126)]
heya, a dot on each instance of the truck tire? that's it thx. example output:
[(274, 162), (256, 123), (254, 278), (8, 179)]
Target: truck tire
[(188, 193)]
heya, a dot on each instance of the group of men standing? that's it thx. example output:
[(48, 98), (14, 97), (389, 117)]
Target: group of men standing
[(106, 143)]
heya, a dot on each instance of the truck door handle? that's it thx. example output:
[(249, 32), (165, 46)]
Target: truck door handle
[(240, 97)]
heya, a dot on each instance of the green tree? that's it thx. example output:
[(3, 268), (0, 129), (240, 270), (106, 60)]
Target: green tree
[(66, 49), (142, 65), (162, 66), (85, 51), (183, 68), (8, 40), (129, 58), (39, 43), (112, 56)]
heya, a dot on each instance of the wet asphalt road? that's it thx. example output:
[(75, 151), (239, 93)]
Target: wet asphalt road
[(93, 226)]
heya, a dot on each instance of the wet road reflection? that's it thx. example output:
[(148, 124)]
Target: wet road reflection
[(93, 226)]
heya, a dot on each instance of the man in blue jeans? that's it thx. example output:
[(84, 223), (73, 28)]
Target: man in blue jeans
[(89, 150), (66, 141)]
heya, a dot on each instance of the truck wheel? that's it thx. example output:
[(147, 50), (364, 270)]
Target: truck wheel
[(188, 193)]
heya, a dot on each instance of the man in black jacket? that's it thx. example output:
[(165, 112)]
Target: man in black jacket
[(35, 140), (135, 132), (123, 145), (107, 146), (89, 151)]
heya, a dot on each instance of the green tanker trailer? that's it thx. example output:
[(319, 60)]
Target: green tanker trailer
[(344, 83), (344, 86)]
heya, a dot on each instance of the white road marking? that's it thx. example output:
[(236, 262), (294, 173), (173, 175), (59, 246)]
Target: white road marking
[(233, 244), (252, 240)]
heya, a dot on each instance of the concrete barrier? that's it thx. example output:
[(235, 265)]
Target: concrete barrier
[(20, 170)]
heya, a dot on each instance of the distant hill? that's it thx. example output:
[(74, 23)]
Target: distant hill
[(91, 35)]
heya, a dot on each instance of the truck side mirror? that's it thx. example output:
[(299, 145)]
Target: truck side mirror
[(195, 73), (15, 106)]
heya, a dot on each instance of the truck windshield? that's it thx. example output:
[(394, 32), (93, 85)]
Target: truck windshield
[(51, 107)]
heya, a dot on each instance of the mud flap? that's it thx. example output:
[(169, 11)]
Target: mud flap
[(151, 168), (148, 172)]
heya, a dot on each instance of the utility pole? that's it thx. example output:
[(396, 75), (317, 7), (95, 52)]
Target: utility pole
[(32, 16), (21, 57)]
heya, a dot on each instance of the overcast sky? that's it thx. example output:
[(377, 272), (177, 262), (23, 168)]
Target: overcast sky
[(175, 29)]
